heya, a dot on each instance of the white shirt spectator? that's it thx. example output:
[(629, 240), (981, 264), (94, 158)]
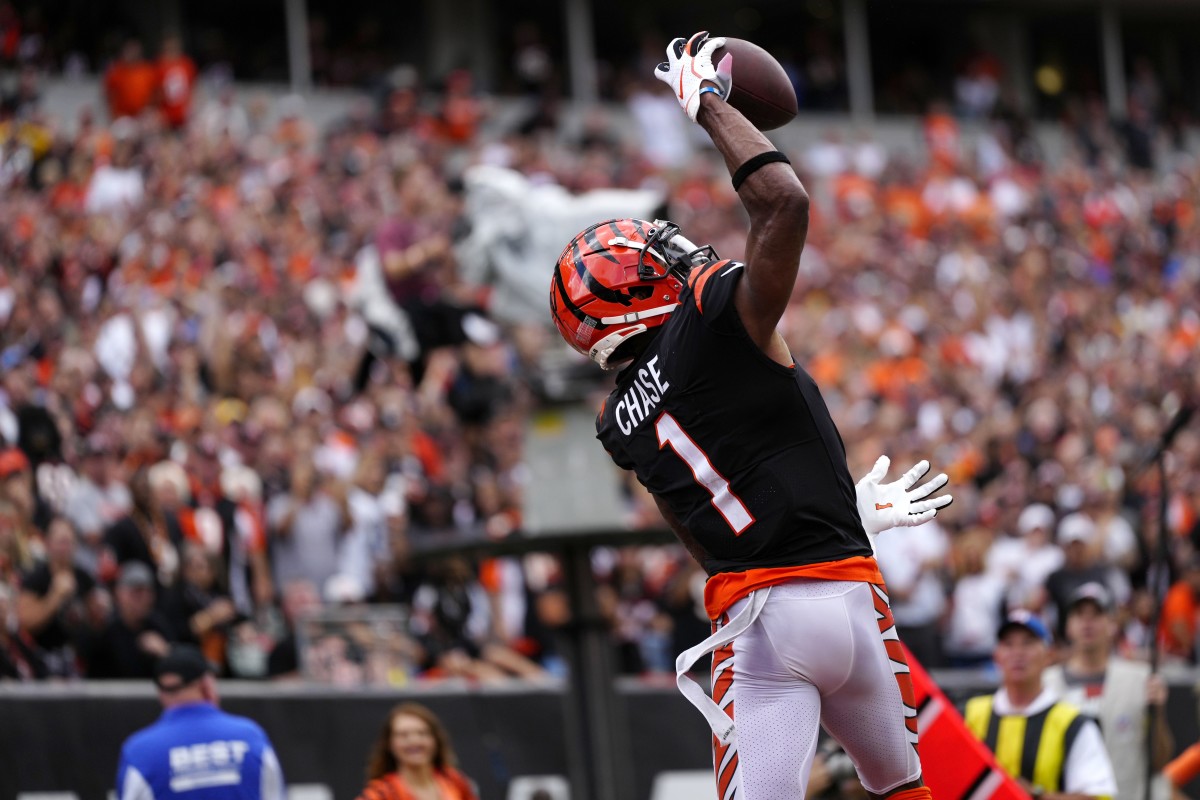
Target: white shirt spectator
[(975, 614), (826, 158), (116, 346), (1023, 562), (309, 551), (358, 548), (92, 508), (1024, 567), (664, 132), (114, 189), (908, 558), (1119, 541)]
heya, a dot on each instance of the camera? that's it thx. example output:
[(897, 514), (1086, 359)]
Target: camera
[(837, 761)]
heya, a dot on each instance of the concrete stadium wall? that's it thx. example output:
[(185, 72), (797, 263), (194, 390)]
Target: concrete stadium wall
[(67, 737)]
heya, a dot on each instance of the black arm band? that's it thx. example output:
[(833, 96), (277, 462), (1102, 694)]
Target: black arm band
[(754, 164)]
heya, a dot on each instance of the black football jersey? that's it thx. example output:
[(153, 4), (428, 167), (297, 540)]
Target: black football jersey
[(742, 449)]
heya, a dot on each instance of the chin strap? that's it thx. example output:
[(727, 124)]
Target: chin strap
[(621, 241), (637, 316)]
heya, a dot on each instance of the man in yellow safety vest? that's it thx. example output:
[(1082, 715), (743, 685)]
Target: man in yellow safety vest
[(1054, 750)]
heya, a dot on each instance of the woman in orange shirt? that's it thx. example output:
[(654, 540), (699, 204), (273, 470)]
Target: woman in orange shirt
[(412, 759)]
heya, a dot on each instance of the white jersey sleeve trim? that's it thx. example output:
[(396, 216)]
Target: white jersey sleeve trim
[(271, 784), (1088, 769), (135, 787)]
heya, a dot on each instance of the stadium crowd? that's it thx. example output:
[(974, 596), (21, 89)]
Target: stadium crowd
[(203, 437)]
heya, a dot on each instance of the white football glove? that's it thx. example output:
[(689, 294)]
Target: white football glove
[(892, 505), (689, 65)]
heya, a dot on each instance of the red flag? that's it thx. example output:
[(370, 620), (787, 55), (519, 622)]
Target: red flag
[(955, 765)]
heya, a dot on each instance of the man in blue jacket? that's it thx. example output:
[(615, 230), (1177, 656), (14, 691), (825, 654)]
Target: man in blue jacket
[(195, 751)]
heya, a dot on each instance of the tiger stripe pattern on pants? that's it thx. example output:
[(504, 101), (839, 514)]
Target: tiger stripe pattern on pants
[(814, 653), (725, 756), (895, 652)]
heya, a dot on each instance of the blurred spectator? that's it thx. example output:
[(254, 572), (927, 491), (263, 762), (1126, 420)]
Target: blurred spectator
[(10, 33), (942, 137), (1117, 541), (977, 86), (60, 604), (532, 63), (19, 539), (130, 82), (453, 622), (640, 630), (136, 636), (913, 562), (222, 116), (1180, 613), (96, 500), (300, 600), (176, 80), (824, 79), (15, 552), (198, 612), (1114, 691), (1081, 565), (245, 548), (1135, 636), (1138, 131), (977, 604), (401, 112), (1182, 770), (1145, 88), (117, 186), (307, 525), (145, 535), (413, 758), (683, 602), (19, 657), (664, 133), (363, 551), (20, 100), (461, 111), (1023, 562)]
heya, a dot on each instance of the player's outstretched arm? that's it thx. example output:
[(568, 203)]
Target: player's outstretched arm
[(775, 200)]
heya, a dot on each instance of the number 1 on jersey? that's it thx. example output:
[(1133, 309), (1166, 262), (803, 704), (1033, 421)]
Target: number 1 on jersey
[(727, 503)]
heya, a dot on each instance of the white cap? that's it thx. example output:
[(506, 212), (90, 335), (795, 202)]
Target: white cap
[(1077, 527), (239, 482), (170, 473), (1038, 515)]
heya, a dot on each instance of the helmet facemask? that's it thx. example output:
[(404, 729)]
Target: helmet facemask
[(668, 250), (618, 298)]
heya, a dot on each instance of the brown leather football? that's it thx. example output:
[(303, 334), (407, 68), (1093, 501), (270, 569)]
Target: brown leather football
[(762, 90)]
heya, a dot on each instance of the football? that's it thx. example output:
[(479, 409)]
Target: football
[(762, 90)]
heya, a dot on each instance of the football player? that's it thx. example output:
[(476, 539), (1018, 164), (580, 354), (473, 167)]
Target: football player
[(732, 438)]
